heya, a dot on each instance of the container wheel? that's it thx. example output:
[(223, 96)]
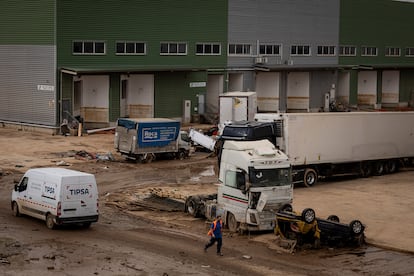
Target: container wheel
[(15, 209), (49, 221), (310, 177), (232, 224)]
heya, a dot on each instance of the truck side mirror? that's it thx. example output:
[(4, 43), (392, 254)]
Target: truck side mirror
[(16, 187)]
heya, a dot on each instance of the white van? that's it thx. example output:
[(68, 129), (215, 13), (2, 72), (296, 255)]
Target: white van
[(58, 196)]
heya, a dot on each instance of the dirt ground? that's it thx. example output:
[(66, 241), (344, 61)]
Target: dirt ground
[(137, 236)]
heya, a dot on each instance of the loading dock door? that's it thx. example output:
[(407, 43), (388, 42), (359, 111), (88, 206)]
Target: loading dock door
[(298, 91), (267, 89)]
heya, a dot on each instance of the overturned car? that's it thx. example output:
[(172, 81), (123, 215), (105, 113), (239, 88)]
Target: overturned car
[(306, 228)]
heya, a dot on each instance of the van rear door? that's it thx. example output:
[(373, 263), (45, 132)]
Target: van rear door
[(79, 196)]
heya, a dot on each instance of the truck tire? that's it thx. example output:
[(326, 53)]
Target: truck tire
[(232, 223), (366, 169), (15, 209), (392, 166), (310, 177), (308, 215), (379, 168), (191, 206), (286, 208), (181, 154), (49, 221), (356, 227)]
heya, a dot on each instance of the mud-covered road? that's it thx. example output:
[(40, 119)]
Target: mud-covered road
[(133, 239)]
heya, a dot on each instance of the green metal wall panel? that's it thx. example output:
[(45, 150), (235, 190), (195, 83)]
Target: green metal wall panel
[(27, 22), (114, 97), (376, 23), (147, 21), (407, 86), (171, 89)]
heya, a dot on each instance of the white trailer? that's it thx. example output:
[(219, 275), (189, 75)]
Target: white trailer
[(326, 144)]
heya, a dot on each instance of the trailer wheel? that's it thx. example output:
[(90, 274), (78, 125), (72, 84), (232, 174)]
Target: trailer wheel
[(232, 224), (192, 206), (310, 177), (366, 169), (333, 218), (49, 221), (392, 166), (15, 209), (356, 227), (308, 215), (379, 168)]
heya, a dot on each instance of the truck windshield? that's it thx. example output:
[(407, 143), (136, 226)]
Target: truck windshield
[(269, 177)]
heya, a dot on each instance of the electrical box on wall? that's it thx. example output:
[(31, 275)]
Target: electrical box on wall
[(187, 111)]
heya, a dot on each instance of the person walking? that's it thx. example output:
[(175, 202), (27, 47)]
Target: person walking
[(215, 235)]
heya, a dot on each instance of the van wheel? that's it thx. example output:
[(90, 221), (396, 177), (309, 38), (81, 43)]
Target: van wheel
[(310, 177), (232, 224), (15, 209), (181, 154), (49, 221)]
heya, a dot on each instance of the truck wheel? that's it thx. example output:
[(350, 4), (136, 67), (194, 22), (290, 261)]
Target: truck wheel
[(232, 223), (49, 221), (15, 209), (356, 227), (308, 215), (192, 206), (148, 158), (310, 177), (333, 218)]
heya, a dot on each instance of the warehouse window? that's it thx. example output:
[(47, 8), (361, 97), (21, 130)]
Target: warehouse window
[(347, 51), (240, 49), (130, 48), (88, 47), (208, 49), (269, 49), (409, 52), (173, 48), (392, 52), (369, 51), (326, 50), (300, 50)]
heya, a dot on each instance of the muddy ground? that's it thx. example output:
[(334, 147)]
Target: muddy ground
[(140, 236)]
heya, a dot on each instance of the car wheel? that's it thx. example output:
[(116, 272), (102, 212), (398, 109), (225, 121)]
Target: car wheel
[(308, 215), (333, 218), (310, 177), (49, 221), (286, 208), (232, 224), (192, 206), (356, 227), (15, 209)]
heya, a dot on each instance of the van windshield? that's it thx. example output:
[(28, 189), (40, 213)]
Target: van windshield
[(269, 177)]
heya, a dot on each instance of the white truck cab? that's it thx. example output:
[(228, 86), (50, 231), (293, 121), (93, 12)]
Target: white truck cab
[(57, 196)]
